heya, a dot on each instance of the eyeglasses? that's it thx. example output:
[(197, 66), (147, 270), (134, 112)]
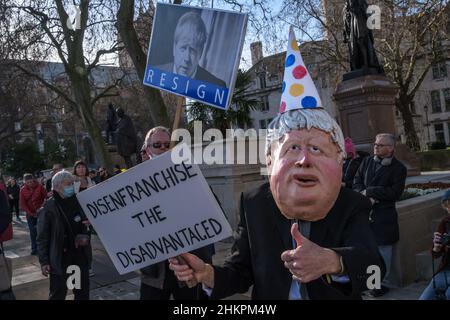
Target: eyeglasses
[(158, 145), (381, 145)]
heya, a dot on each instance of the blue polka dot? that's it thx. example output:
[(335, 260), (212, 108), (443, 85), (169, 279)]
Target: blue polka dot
[(309, 102), (283, 87), (290, 60)]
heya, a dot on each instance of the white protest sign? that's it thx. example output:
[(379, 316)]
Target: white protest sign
[(154, 211)]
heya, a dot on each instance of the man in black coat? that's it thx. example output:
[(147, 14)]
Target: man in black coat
[(62, 238), (301, 236), (381, 178)]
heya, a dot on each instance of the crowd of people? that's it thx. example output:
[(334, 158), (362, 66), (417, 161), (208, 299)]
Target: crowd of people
[(329, 210), (324, 201), (60, 232), (43, 202)]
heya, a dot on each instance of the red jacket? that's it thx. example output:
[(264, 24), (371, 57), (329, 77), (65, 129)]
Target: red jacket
[(31, 199)]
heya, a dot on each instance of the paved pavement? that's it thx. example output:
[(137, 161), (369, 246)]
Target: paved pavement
[(107, 284)]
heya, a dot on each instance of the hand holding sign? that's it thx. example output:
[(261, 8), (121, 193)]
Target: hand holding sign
[(190, 283), (308, 261), (194, 271)]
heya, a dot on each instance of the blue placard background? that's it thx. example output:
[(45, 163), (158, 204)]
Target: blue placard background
[(191, 88)]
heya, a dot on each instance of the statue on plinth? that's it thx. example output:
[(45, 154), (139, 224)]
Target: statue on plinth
[(126, 137), (359, 37)]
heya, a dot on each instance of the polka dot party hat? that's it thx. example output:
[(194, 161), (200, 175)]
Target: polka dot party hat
[(298, 89)]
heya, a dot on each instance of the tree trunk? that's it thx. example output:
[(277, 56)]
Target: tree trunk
[(125, 26), (412, 141), (82, 95)]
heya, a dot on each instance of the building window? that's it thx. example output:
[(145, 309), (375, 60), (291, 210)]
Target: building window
[(448, 129), (264, 103), (435, 101), (263, 124), (439, 132), (262, 80), (447, 99), (324, 82), (273, 78), (17, 126), (412, 107), (439, 70)]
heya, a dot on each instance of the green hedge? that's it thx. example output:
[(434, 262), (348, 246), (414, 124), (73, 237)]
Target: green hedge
[(435, 160)]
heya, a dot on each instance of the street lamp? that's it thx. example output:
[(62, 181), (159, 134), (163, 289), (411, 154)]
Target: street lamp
[(427, 123)]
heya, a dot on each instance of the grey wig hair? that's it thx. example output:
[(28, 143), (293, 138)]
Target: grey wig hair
[(60, 177), (304, 119)]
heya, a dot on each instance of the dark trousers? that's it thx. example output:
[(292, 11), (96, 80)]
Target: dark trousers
[(172, 287), (14, 206), (58, 283), (32, 223), (89, 255)]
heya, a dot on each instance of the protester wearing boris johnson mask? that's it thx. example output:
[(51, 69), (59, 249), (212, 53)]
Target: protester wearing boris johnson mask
[(63, 238), (301, 235)]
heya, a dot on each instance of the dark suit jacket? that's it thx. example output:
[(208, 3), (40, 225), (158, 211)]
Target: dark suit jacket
[(386, 186), (202, 74), (263, 234)]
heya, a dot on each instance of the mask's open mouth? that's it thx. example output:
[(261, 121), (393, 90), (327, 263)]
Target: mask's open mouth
[(306, 180)]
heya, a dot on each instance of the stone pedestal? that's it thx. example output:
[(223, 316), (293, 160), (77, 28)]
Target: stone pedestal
[(366, 107), (115, 156), (238, 170)]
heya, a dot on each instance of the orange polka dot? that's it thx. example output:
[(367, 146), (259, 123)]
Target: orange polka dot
[(294, 45), (296, 90)]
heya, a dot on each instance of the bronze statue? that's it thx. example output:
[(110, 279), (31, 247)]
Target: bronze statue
[(359, 37), (111, 122), (126, 137)]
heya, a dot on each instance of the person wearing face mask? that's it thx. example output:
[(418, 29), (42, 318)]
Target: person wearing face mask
[(63, 238)]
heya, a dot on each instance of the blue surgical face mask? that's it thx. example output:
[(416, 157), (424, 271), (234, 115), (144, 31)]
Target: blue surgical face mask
[(69, 191)]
